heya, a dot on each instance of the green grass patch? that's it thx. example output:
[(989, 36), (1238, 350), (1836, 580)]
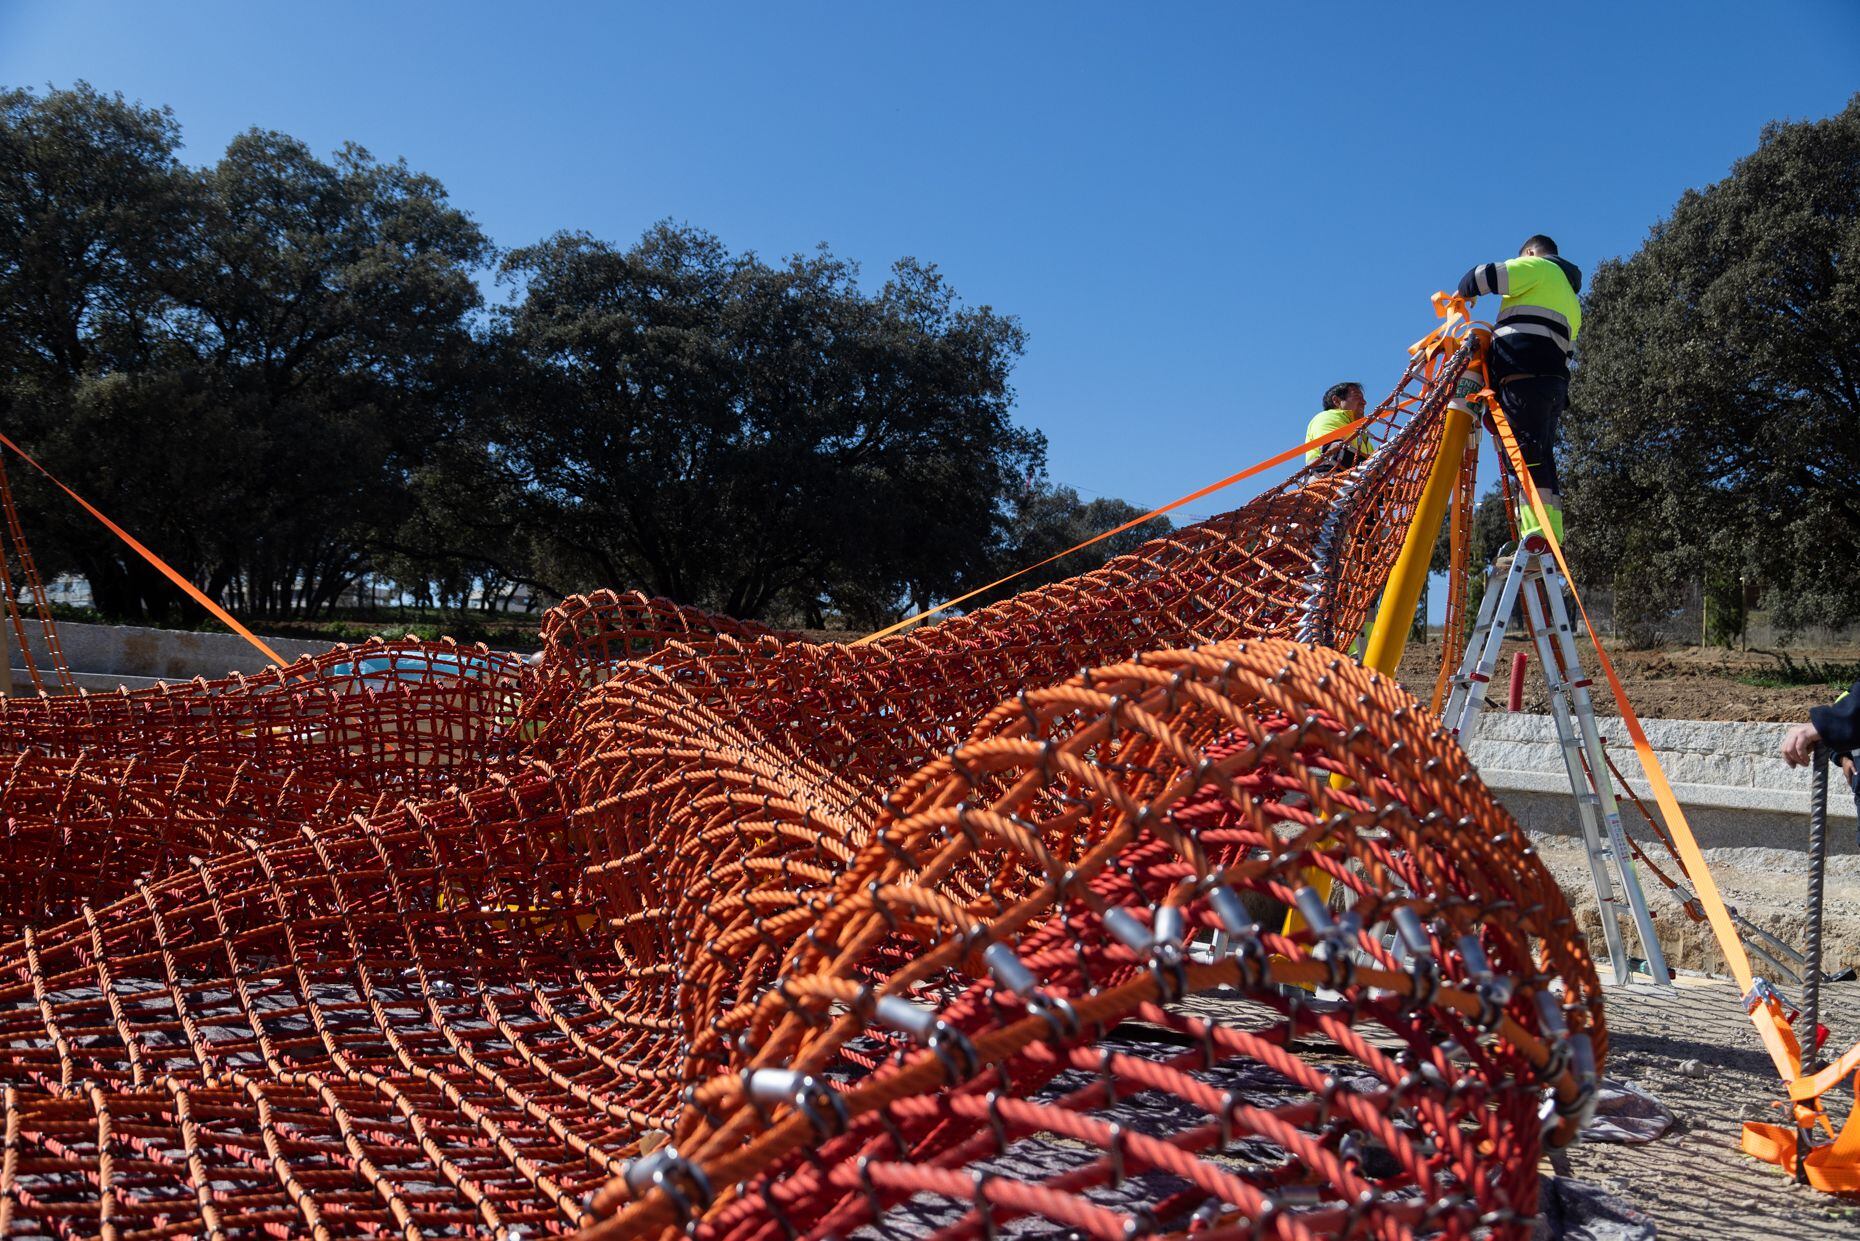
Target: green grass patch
[(1790, 673)]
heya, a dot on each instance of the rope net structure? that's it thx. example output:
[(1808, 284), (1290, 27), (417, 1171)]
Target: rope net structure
[(691, 925)]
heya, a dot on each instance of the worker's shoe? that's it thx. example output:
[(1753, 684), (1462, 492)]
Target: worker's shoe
[(1553, 508)]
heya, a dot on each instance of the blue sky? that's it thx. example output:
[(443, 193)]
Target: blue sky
[(1203, 214)]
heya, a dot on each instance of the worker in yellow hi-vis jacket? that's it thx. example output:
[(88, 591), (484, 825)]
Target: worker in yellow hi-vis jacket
[(1343, 404), (1533, 340)]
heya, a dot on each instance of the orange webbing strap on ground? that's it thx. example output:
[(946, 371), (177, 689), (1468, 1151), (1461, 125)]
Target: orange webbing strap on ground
[(219, 613), (1324, 440), (1835, 1167), (1780, 1041)]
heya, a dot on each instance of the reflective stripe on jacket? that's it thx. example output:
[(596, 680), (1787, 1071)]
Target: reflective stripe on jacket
[(1535, 332)]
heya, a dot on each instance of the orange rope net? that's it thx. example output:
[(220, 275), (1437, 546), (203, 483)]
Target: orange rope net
[(692, 925)]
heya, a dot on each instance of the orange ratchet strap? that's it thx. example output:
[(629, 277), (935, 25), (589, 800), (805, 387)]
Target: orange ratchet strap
[(1329, 437), (219, 613), (1834, 1167), (1448, 306)]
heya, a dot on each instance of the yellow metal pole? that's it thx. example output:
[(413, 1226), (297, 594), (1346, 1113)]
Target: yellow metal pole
[(1396, 616)]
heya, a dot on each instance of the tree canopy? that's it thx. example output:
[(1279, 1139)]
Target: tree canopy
[(736, 433), (247, 362), (278, 371), (1714, 428)]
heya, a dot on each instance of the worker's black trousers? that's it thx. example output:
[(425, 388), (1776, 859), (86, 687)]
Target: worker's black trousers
[(1532, 405)]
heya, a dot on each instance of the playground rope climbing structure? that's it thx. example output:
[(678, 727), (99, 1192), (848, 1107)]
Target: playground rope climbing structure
[(974, 929)]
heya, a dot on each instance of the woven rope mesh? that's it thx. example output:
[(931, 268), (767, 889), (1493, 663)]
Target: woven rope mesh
[(973, 930)]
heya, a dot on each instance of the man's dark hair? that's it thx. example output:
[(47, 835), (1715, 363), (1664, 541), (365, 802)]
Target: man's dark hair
[(1333, 395), (1541, 242)]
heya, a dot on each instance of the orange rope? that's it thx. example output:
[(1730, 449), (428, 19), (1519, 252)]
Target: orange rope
[(193, 592), (1328, 438)]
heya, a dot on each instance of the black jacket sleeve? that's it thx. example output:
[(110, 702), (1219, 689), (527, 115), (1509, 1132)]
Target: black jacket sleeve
[(1480, 280), (1839, 723)]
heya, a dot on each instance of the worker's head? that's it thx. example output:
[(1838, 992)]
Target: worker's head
[(1346, 395), (1538, 247)]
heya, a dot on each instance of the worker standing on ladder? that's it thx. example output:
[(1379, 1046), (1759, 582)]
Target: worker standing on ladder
[(1344, 403), (1533, 340)]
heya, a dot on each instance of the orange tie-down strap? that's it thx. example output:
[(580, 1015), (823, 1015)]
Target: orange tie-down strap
[(1448, 307), (193, 592), (1260, 467), (1836, 1166)]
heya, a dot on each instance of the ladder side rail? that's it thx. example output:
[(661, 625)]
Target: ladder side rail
[(1465, 675), (1470, 687), (1595, 847), (1577, 686)]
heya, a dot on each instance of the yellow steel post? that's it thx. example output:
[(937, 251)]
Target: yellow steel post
[(1396, 616)]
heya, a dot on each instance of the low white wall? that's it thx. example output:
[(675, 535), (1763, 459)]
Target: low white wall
[(1728, 778), (105, 656)]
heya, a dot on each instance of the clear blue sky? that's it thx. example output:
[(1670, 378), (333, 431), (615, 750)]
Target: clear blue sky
[(1203, 214)]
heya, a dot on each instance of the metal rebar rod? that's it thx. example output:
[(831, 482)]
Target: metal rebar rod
[(1817, 875)]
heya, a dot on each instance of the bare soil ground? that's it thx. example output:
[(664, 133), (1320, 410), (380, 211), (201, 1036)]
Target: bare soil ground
[(1673, 682)]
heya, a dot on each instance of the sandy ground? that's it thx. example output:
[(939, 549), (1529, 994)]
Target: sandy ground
[(1692, 1048), (1767, 886)]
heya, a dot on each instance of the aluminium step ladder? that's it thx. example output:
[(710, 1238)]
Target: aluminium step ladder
[(1533, 575)]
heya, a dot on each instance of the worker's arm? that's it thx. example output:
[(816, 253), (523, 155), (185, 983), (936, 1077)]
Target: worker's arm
[(1835, 727), (1483, 279), (1839, 723)]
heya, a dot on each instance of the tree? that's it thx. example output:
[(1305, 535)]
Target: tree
[(748, 436), (330, 303), (90, 189), (1048, 519), (247, 365), (1715, 416)]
